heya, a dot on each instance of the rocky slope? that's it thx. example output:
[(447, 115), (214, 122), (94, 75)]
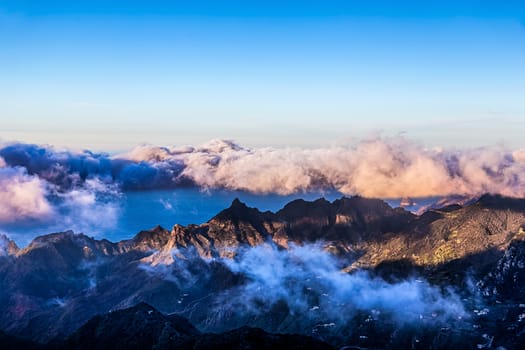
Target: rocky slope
[(201, 272)]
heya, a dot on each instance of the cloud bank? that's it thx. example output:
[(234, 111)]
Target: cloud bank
[(33, 178), (383, 168)]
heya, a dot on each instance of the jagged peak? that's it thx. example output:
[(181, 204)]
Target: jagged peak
[(7, 246), (237, 203), (158, 228), (301, 207), (301, 204), (153, 238), (237, 211)]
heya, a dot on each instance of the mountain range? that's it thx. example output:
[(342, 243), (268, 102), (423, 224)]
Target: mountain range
[(354, 272)]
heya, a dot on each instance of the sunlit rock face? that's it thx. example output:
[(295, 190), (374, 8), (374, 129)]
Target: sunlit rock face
[(7, 246)]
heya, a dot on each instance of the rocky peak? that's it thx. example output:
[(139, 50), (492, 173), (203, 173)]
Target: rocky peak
[(153, 239), (238, 212), (7, 246), (239, 225)]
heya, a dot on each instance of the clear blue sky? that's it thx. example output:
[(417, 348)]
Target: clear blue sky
[(112, 74)]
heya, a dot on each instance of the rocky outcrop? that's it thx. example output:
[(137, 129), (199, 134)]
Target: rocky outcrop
[(7, 246)]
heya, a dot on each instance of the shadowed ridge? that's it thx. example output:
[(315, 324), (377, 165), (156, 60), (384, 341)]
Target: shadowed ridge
[(137, 327), (68, 242), (306, 221), (344, 220), (496, 201), (372, 215), (143, 327), (67, 245), (299, 208)]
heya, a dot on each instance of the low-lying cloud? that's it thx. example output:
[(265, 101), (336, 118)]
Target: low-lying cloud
[(311, 282), (305, 288), (32, 176)]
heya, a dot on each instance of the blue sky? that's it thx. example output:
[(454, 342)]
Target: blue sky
[(110, 75)]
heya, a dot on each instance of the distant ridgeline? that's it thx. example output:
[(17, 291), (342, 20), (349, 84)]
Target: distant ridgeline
[(320, 274)]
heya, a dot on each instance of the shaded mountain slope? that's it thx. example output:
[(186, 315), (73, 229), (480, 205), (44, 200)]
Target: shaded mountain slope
[(143, 327)]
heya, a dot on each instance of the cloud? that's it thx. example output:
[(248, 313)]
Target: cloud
[(310, 279), (379, 167), (22, 196), (91, 208), (39, 180), (303, 287), (57, 189)]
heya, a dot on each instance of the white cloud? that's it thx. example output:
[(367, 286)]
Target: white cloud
[(22, 196), (385, 168)]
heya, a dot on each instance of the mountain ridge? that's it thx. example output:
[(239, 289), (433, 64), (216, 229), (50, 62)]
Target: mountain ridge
[(59, 281)]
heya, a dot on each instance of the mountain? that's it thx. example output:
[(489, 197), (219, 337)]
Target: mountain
[(143, 327), (138, 327), (352, 272)]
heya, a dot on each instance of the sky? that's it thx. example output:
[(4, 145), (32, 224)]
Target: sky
[(108, 75)]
